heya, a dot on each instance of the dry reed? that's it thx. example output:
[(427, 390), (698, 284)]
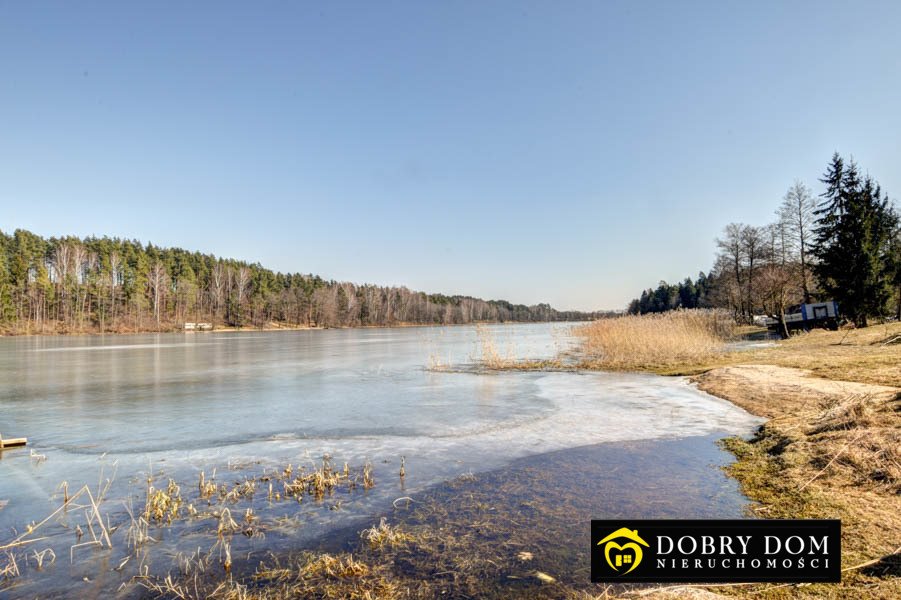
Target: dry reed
[(637, 342), (384, 535)]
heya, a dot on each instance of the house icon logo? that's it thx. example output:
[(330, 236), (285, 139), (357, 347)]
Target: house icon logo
[(619, 556)]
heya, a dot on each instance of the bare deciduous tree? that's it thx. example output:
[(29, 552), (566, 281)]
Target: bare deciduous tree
[(157, 279), (732, 261), (753, 243), (797, 215)]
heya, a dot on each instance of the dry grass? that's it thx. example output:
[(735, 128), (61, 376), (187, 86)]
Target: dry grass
[(660, 340), (823, 454), (383, 535), (83, 503), (167, 504), (832, 448), (669, 344), (861, 355)]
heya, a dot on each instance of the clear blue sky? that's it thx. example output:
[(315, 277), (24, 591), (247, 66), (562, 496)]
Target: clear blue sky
[(569, 152)]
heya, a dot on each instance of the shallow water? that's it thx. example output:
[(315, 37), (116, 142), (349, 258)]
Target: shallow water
[(176, 404), (544, 504)]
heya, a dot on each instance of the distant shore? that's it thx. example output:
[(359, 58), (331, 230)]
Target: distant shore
[(267, 328)]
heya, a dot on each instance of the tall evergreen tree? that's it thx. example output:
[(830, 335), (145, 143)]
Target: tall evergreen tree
[(895, 266), (852, 241)]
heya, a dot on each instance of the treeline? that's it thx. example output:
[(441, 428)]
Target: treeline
[(688, 294), (845, 246), (114, 285)]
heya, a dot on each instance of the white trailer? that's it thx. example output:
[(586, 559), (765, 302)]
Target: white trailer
[(809, 315)]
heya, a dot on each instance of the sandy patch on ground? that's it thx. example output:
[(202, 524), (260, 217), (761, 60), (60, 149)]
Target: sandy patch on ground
[(771, 391), (831, 449)]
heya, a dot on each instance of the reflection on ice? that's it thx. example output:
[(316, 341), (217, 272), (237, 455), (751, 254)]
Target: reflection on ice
[(120, 347)]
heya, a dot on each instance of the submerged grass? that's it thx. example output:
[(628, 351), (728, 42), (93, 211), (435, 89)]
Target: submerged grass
[(519, 532), (226, 510)]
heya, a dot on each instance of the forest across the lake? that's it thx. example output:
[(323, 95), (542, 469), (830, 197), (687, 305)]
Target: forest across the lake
[(99, 285)]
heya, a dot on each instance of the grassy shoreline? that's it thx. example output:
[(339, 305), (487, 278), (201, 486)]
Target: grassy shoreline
[(825, 456), (830, 449)]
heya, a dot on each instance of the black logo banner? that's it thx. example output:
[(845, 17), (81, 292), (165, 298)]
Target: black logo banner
[(716, 551)]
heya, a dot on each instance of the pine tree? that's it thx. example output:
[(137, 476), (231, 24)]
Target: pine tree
[(852, 241), (894, 266)]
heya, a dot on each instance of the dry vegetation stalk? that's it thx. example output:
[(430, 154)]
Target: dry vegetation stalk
[(635, 342)]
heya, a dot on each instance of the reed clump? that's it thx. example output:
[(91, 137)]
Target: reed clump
[(384, 535), (163, 505), (492, 358), (657, 340), (321, 481)]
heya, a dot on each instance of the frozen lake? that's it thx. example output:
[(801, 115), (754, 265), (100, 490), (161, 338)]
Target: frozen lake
[(182, 403)]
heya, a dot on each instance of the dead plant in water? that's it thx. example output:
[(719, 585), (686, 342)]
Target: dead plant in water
[(384, 535), (138, 532), (163, 505), (206, 488), (491, 357), (318, 483), (336, 567), (46, 555), (82, 502), (11, 568)]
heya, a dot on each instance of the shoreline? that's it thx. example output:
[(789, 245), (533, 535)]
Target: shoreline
[(272, 329), (473, 526), (827, 450), (810, 459), (519, 530), (830, 446)]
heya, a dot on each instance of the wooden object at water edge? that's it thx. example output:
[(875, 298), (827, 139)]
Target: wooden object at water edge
[(12, 442)]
